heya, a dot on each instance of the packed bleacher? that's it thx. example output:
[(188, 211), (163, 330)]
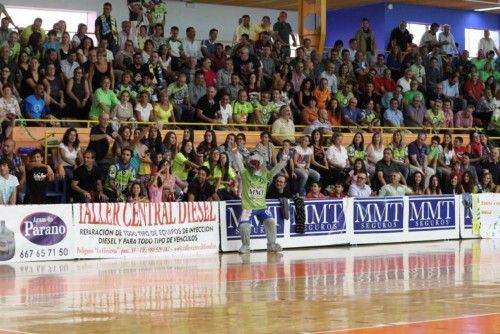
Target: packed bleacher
[(152, 113)]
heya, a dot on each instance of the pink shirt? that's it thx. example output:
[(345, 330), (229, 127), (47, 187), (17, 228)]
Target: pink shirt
[(461, 121), (155, 194)]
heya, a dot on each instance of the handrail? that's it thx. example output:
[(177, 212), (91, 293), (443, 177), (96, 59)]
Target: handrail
[(246, 125)]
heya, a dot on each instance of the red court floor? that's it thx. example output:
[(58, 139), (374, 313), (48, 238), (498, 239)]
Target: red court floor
[(448, 287)]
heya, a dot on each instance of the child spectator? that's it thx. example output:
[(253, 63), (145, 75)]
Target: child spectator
[(315, 191)]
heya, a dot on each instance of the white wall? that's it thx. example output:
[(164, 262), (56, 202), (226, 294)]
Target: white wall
[(202, 16)]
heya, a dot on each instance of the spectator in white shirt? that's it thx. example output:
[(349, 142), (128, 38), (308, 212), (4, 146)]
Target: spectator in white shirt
[(69, 65), (487, 43), (405, 80), (447, 41), (126, 35), (192, 47), (329, 75), (336, 156), (360, 188)]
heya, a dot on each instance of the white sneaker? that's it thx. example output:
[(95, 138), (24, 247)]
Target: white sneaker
[(244, 249), (274, 247)]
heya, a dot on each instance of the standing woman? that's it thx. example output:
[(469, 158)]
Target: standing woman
[(374, 152), (99, 70), (78, 92), (104, 99)]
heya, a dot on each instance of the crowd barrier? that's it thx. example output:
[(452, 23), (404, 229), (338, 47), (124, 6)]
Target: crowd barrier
[(119, 230)]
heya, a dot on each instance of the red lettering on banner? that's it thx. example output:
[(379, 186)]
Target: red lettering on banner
[(116, 212), (126, 221), (182, 212)]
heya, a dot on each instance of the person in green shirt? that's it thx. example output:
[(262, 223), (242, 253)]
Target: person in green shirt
[(255, 180), (29, 30), (434, 117), (242, 108), (264, 109), (157, 11), (181, 165), (104, 99), (410, 94)]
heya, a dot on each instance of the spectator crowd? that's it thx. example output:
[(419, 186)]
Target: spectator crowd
[(142, 84)]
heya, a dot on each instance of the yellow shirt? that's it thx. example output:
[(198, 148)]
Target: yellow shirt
[(251, 31), (27, 32), (163, 115)]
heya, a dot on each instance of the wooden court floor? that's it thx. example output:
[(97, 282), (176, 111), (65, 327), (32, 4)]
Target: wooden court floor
[(447, 287)]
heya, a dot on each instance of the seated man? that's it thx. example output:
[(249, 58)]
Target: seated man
[(120, 176), (283, 128), (279, 189), (200, 190), (87, 183), (35, 107), (207, 108)]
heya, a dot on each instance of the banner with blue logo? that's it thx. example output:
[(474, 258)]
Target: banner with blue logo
[(325, 224), (378, 219), (230, 221), (433, 217), (36, 233)]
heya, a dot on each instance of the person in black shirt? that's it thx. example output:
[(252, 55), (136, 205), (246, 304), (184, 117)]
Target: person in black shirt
[(37, 179), (207, 108), (199, 189), (400, 36), (102, 136), (279, 189), (87, 181)]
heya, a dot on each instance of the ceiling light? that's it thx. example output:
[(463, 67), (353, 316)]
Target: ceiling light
[(486, 9)]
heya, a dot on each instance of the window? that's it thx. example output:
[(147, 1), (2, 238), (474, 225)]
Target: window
[(24, 16), (417, 30), (472, 37)]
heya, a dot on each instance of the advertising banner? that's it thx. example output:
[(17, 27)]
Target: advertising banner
[(36, 233), (469, 216), (126, 230), (325, 224), (378, 220), (230, 234), (489, 215), (433, 218)]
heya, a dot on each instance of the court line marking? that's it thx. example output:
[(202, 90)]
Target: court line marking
[(395, 324), (8, 331), (466, 303)]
